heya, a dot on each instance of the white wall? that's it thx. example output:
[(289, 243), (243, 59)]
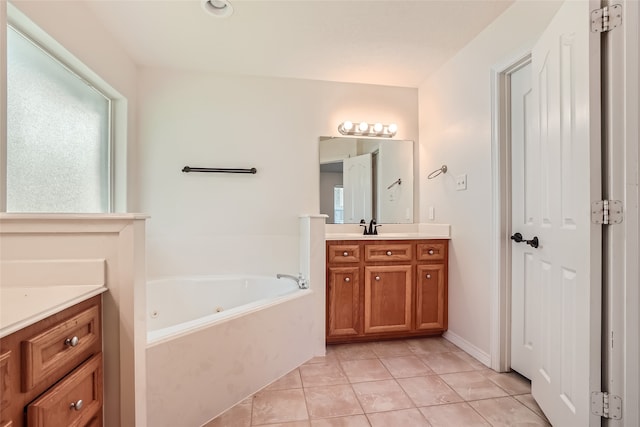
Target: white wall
[(455, 129), (226, 223)]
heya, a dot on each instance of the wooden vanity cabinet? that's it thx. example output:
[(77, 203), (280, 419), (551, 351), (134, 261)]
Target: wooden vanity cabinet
[(51, 371), (380, 289)]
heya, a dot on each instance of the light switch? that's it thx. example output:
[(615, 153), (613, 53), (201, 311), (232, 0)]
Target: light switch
[(461, 182)]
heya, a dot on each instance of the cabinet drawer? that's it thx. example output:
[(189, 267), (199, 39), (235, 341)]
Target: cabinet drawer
[(432, 251), (73, 402), (343, 253), (388, 252), (57, 350)]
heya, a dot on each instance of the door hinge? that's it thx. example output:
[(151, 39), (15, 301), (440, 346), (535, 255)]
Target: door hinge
[(605, 405), (606, 18), (606, 212)]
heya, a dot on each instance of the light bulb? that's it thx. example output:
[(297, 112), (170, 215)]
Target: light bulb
[(377, 127), (393, 128), (363, 126), (347, 125)]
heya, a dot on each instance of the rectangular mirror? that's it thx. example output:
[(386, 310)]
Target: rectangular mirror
[(366, 178)]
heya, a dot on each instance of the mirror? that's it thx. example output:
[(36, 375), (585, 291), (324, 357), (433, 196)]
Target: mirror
[(366, 178)]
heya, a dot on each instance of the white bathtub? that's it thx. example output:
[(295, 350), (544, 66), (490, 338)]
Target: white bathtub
[(213, 341), (183, 304)]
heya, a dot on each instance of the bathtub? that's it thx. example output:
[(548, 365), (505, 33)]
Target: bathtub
[(213, 341)]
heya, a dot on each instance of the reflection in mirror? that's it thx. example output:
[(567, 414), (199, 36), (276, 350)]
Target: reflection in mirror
[(365, 179)]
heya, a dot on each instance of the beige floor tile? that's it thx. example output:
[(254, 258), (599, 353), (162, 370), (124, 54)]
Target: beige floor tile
[(455, 414), (475, 363), (446, 363), (506, 412), (473, 385), (352, 421), (291, 380), (430, 345), (332, 401), (428, 390), (238, 416), (511, 382), (354, 351), (406, 366), (329, 357), (407, 417), (319, 374), (290, 424), (278, 406), (379, 396), (365, 370), (528, 401), (391, 348)]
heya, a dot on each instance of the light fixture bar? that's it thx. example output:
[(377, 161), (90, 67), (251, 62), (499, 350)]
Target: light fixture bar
[(368, 129)]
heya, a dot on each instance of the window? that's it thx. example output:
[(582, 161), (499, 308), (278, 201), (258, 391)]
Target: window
[(58, 135)]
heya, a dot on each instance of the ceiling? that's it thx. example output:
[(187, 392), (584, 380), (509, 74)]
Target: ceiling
[(392, 42)]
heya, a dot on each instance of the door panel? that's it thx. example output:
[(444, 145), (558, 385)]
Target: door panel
[(357, 188)]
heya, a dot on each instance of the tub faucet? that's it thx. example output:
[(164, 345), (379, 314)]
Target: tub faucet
[(300, 280)]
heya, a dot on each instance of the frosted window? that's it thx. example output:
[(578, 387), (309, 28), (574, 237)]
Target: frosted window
[(57, 135)]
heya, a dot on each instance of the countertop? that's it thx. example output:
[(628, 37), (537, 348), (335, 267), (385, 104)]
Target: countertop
[(21, 306), (389, 232)]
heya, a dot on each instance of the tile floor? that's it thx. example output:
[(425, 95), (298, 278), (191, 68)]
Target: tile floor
[(407, 383)]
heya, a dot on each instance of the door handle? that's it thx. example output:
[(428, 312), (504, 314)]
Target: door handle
[(534, 243)]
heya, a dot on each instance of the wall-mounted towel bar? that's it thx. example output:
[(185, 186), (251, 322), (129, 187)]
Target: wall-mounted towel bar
[(219, 170), (396, 182), (440, 170)]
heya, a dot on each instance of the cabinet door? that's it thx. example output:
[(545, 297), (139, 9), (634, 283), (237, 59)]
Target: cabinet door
[(431, 297), (343, 302), (387, 298)]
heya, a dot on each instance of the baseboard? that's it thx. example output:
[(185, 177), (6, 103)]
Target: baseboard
[(471, 349)]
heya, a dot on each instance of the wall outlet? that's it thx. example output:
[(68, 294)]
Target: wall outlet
[(432, 213), (461, 182)]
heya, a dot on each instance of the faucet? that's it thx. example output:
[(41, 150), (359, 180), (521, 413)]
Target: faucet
[(300, 280), (372, 229)]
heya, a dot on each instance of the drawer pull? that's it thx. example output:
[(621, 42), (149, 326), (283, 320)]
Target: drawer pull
[(428, 276), (377, 277), (72, 342), (430, 251), (76, 406), (388, 253), (345, 253), (347, 279)]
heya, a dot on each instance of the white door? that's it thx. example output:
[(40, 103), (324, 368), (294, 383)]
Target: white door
[(357, 188), (561, 177), (523, 289)]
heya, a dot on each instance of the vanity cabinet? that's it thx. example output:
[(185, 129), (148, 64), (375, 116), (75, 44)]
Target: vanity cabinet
[(51, 371), (380, 289)]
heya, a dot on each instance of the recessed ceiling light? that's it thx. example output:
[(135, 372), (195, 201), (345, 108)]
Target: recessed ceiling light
[(218, 8)]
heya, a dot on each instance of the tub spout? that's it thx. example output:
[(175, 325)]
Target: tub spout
[(300, 280)]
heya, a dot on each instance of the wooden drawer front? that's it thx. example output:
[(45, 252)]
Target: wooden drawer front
[(5, 381), (388, 252), (430, 297), (432, 251), (47, 353), (344, 301), (53, 409), (343, 253), (7, 424)]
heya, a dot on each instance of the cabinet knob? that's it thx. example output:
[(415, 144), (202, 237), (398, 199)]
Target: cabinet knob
[(377, 277), (345, 253), (347, 279), (72, 342), (428, 276), (76, 406), (430, 251), (388, 253)]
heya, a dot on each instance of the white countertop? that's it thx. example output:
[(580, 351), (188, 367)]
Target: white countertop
[(21, 306), (389, 232)]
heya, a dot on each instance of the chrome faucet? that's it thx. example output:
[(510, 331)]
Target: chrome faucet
[(300, 280)]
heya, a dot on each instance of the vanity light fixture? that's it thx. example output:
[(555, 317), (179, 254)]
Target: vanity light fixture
[(218, 8), (368, 129)]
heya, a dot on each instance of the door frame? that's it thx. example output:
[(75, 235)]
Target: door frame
[(500, 273)]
